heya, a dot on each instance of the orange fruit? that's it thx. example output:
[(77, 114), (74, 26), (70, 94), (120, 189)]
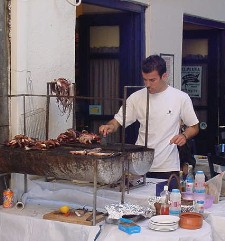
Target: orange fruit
[(64, 209)]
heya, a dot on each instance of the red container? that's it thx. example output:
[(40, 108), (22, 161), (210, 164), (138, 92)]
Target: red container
[(8, 198), (164, 209)]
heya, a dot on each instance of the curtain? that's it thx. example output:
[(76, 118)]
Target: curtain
[(104, 83)]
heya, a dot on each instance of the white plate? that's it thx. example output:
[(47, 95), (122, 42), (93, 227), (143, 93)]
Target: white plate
[(162, 224), (163, 228), (165, 219)]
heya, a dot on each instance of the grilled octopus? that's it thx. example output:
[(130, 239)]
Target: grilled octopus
[(83, 137), (29, 143), (64, 91)]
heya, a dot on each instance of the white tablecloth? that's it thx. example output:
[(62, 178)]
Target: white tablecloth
[(42, 197), (64, 192), (215, 216), (112, 233), (28, 225)]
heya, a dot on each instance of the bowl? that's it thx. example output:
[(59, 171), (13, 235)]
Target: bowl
[(208, 199), (191, 220)]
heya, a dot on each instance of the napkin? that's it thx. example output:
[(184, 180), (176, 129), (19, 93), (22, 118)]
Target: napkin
[(214, 186)]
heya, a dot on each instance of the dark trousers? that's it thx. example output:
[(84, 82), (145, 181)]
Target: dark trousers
[(161, 175)]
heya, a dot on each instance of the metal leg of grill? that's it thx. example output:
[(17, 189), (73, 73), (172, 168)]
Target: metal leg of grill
[(95, 193)]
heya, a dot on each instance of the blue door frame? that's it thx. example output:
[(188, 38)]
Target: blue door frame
[(117, 4), (216, 79)]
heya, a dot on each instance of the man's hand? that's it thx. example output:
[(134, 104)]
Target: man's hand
[(106, 129), (189, 133), (110, 127), (179, 140)]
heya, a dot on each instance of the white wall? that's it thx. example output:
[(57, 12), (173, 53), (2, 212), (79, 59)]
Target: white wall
[(43, 49), (164, 25)]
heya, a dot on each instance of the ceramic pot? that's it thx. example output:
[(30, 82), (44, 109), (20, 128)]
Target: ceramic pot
[(191, 220)]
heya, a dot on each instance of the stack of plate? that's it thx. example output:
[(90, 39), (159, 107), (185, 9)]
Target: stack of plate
[(164, 223)]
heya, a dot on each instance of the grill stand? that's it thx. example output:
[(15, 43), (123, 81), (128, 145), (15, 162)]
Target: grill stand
[(48, 96)]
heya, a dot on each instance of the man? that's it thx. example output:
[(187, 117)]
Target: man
[(167, 108)]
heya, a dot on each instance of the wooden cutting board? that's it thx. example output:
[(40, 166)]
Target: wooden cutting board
[(86, 219)]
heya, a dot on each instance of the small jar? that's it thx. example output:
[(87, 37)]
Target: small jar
[(199, 206)]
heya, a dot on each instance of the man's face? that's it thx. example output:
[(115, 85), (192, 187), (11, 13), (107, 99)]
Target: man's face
[(154, 82)]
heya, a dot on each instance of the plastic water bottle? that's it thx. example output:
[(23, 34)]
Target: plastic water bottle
[(199, 188), (175, 202), (165, 194), (189, 183), (199, 206), (199, 182)]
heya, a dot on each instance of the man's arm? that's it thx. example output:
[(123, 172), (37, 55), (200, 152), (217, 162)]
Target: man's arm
[(191, 131), (182, 138), (110, 127)]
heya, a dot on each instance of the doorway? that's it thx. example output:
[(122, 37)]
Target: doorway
[(202, 60), (111, 47)]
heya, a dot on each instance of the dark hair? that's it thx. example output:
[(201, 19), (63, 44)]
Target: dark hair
[(154, 62)]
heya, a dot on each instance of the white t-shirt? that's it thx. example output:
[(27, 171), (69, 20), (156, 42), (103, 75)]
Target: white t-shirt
[(166, 110)]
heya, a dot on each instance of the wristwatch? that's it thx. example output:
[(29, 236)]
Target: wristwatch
[(185, 135)]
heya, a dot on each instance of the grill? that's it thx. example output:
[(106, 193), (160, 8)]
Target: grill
[(59, 163)]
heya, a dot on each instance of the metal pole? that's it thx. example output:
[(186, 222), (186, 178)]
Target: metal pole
[(123, 182), (146, 129), (147, 116), (123, 146), (47, 113), (74, 107), (25, 183), (124, 118), (24, 116), (95, 193)]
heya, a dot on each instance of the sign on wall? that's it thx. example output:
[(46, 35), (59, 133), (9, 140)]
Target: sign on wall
[(95, 110), (169, 58), (191, 78)]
